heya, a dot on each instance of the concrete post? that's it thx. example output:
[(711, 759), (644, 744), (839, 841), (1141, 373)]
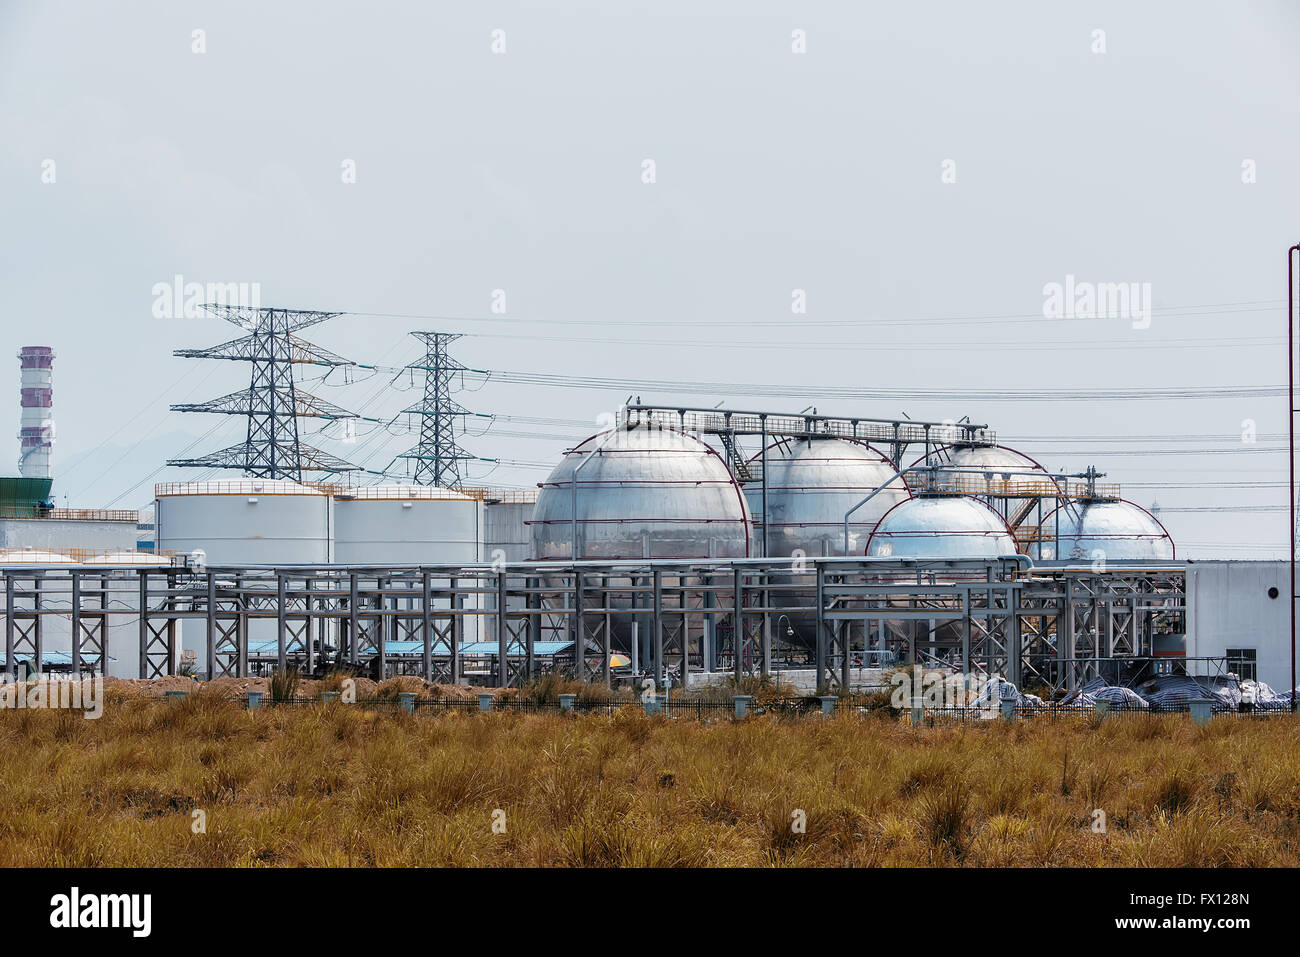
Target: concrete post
[(652, 704), (177, 695), (1103, 708), (828, 704), (742, 702), (1200, 711), (254, 699), (407, 701), (485, 702), (327, 696), (567, 701), (1008, 709)]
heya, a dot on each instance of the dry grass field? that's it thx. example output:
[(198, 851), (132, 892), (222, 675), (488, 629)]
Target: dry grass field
[(342, 785)]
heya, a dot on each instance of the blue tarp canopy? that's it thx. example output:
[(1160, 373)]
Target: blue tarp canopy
[(52, 658)]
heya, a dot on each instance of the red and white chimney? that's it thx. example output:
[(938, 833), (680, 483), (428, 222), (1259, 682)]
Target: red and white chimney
[(36, 433)]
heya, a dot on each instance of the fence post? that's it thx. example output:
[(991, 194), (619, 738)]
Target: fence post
[(485, 702), (407, 700), (1008, 709), (1103, 708), (1200, 711), (742, 704), (567, 701), (828, 704), (254, 699), (327, 696), (652, 704)]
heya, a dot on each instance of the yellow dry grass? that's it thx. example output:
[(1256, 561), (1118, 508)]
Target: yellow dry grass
[(339, 785)]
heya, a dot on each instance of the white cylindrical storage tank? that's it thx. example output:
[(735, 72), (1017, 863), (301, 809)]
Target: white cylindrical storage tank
[(245, 522), (1109, 529), (505, 526), (407, 525), (938, 527)]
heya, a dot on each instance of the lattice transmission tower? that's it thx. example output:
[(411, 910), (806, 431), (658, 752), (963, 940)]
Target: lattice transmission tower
[(272, 403), (438, 456)]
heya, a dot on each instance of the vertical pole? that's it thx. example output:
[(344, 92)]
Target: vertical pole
[(579, 628), (763, 420), (738, 621), (657, 626), (11, 666), (309, 629), (352, 618), (821, 629), (456, 602), (605, 649), (143, 624), (533, 604), (210, 658), (38, 623), (503, 635), (281, 660), (76, 625), (382, 626), (426, 621)]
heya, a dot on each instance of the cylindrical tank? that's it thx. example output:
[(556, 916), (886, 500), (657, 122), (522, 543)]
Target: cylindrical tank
[(1110, 529), (245, 522), (811, 484), (406, 525), (506, 533), (941, 527), (641, 493)]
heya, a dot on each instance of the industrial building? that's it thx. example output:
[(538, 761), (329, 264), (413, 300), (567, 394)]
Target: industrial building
[(695, 542)]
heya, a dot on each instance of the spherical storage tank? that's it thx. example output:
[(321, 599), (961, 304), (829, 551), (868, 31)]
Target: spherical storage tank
[(245, 522), (407, 525), (1114, 529), (996, 460), (941, 527), (811, 484), (641, 493)]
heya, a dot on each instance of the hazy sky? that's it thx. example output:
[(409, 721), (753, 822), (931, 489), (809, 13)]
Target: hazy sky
[(774, 171)]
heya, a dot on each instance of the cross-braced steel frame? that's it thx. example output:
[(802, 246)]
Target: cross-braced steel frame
[(1053, 625)]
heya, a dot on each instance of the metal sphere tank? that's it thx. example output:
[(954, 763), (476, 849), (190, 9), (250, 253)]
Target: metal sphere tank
[(996, 460), (245, 522), (406, 525), (811, 484), (641, 493), (941, 527), (1113, 529)]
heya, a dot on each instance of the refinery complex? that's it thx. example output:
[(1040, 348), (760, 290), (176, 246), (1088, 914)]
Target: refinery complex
[(680, 544)]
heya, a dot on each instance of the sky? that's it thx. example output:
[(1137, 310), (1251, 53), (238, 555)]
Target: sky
[(915, 175)]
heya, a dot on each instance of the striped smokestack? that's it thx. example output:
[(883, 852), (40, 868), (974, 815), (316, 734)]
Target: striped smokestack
[(36, 433)]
